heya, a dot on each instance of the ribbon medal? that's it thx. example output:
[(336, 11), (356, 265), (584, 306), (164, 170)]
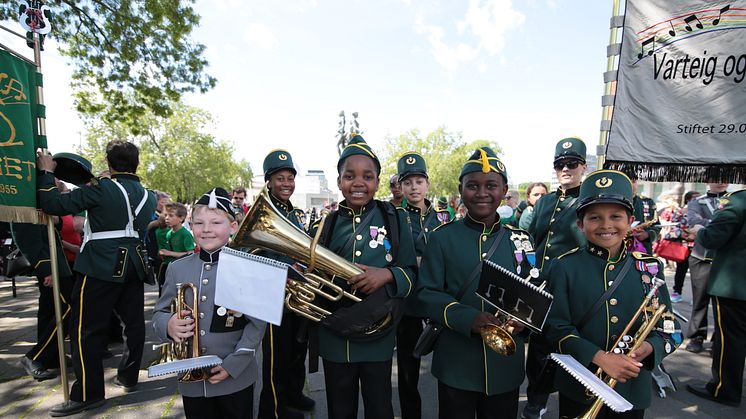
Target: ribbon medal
[(519, 259), (373, 243), (387, 247), (653, 268), (531, 257)]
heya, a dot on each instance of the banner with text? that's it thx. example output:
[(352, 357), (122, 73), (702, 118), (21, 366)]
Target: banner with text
[(680, 108), (17, 140)]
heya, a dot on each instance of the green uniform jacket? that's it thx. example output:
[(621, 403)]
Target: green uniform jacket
[(107, 259), (554, 226), (460, 359), (727, 233), (33, 241), (422, 223), (404, 269), (645, 212), (577, 280)]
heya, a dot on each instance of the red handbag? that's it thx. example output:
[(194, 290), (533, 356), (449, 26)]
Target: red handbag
[(671, 250)]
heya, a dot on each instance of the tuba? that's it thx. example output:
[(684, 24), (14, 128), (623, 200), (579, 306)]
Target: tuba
[(625, 344), (264, 227)]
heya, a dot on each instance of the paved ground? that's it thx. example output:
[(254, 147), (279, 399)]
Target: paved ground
[(22, 397)]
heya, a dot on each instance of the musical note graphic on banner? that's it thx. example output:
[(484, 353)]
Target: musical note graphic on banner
[(716, 21), (691, 19), (672, 32), (644, 44)]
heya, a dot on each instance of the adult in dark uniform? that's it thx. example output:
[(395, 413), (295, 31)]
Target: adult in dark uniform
[(33, 241), (579, 278), (284, 352), (726, 233), (110, 268), (424, 218), (363, 232), (555, 231), (472, 379), (646, 232), (699, 212)]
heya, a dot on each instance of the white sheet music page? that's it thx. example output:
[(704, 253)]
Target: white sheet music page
[(251, 286)]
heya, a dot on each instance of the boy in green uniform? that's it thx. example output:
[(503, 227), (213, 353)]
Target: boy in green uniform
[(582, 276), (424, 218), (284, 354), (726, 233), (472, 379), (376, 237)]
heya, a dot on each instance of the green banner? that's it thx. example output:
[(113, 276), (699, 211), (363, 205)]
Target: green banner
[(18, 112)]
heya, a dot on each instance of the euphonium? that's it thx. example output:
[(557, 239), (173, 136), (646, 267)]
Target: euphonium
[(186, 349), (265, 228), (625, 344)]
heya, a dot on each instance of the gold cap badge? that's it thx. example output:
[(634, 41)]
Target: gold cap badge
[(566, 145), (282, 157), (604, 182)]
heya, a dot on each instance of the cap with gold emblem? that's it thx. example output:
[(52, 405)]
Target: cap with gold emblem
[(357, 145), (277, 160), (410, 164), (570, 148), (606, 187), (484, 160)]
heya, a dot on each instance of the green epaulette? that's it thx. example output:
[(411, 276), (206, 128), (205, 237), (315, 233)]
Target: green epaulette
[(568, 252), (443, 225)]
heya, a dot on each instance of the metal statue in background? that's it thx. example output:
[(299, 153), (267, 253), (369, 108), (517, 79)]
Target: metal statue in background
[(344, 137)]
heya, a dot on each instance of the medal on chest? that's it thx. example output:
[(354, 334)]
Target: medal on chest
[(373, 243)]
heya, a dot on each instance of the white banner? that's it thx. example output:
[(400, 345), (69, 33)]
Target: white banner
[(680, 107)]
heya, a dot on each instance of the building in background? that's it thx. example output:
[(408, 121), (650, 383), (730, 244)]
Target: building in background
[(311, 189)]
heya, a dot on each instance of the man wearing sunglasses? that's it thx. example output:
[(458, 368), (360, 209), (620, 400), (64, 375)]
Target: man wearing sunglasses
[(555, 232)]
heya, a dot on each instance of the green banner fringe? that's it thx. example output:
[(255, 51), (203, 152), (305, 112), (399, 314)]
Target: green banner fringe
[(22, 215), (662, 172)]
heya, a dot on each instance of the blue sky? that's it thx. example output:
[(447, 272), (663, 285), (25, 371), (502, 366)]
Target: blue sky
[(522, 73)]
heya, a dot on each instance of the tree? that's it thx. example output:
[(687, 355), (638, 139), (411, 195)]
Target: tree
[(444, 151), (129, 56), (176, 155)]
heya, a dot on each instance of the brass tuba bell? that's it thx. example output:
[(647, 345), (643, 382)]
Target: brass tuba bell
[(264, 227)]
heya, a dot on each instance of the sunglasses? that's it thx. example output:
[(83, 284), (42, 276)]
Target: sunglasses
[(570, 165)]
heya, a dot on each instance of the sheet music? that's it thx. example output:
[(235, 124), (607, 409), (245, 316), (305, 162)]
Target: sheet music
[(252, 285), (594, 384)]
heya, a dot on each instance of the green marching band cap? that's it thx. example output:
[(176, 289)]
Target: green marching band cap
[(484, 160), (570, 148), (72, 168), (357, 145), (606, 187), (277, 160), (443, 201), (411, 163), (217, 198)]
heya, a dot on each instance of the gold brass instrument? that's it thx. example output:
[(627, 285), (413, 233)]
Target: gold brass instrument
[(499, 337), (186, 349), (625, 344), (264, 227)]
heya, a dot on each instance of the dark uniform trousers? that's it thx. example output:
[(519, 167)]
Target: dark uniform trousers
[(45, 350), (700, 273), (728, 349), (537, 354), (454, 403), (408, 366), (238, 405), (92, 303), (342, 382), (283, 366), (570, 409)]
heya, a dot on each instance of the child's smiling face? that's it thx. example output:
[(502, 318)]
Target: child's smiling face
[(358, 180)]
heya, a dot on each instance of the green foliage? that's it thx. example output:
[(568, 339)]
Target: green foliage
[(129, 56), (444, 151), (177, 155)]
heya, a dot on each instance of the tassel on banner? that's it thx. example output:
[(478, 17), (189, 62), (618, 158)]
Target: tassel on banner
[(661, 172), (22, 214)]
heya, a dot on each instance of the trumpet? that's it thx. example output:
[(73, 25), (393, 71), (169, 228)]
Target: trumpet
[(625, 344), (186, 349)]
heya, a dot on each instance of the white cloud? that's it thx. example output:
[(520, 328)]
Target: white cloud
[(486, 23), (261, 36)]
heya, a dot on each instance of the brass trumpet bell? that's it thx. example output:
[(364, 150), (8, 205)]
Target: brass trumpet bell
[(498, 338)]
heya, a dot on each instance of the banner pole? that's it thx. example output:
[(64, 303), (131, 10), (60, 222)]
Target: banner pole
[(52, 238), (610, 86)]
